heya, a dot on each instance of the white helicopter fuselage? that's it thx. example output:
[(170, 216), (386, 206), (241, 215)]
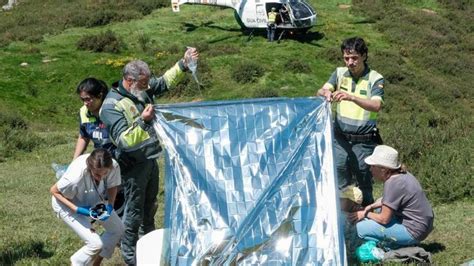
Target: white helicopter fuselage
[(253, 13)]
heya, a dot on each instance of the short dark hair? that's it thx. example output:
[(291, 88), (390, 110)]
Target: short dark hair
[(95, 87), (355, 44), (98, 159)]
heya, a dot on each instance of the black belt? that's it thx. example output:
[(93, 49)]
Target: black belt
[(373, 136)]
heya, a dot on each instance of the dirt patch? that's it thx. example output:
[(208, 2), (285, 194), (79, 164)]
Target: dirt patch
[(342, 6), (428, 11)]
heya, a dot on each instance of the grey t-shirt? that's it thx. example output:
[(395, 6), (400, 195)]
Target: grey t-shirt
[(403, 194)]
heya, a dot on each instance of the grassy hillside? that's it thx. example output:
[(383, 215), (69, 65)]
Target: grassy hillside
[(424, 49)]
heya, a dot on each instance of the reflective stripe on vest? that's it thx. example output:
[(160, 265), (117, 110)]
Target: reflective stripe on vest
[(173, 76), (363, 89), (134, 135), (84, 117)]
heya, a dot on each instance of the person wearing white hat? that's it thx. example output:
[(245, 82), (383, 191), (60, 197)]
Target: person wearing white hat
[(405, 216)]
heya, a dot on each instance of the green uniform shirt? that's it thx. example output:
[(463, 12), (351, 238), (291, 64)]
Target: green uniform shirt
[(351, 118)]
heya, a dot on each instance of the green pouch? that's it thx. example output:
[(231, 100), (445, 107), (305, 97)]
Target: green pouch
[(364, 253)]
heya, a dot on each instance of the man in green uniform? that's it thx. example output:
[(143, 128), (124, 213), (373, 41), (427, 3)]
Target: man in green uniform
[(358, 92), (271, 24), (127, 112)]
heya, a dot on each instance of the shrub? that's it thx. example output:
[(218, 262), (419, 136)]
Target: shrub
[(12, 121), (143, 40), (265, 93), (13, 130), (147, 6), (100, 18), (103, 42), (297, 66), (247, 72), (189, 87), (332, 54), (392, 63), (15, 139), (22, 24)]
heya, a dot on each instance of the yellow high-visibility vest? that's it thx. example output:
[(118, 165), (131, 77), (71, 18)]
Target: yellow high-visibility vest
[(272, 17)]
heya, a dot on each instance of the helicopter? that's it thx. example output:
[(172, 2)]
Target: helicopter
[(294, 15)]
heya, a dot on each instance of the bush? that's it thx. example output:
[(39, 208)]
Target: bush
[(103, 42), (17, 140), (189, 87), (143, 41), (331, 54), (12, 121), (297, 66), (147, 6), (22, 24), (265, 93), (247, 72)]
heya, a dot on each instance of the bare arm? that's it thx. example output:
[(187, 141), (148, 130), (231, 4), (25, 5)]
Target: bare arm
[(81, 146), (59, 196), (112, 193), (383, 217), (377, 204), (374, 105)]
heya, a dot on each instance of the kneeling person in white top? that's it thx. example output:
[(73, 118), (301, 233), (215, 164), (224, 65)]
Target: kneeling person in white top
[(91, 179)]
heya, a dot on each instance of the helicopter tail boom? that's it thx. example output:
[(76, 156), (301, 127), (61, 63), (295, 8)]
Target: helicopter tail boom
[(225, 3)]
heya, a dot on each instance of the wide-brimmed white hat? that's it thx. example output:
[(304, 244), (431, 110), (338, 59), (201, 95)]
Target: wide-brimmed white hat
[(384, 156)]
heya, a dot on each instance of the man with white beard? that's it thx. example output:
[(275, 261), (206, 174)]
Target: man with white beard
[(127, 112)]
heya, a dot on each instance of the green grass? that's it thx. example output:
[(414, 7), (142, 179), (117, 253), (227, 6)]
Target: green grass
[(423, 48)]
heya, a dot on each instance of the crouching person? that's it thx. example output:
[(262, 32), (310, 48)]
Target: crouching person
[(91, 180), (405, 216)]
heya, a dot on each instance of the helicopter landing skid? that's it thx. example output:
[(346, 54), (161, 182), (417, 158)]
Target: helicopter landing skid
[(281, 35), (250, 35)]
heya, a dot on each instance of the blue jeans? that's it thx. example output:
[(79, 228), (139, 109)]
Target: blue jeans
[(392, 235)]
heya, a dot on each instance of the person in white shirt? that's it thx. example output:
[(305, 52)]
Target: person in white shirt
[(90, 180)]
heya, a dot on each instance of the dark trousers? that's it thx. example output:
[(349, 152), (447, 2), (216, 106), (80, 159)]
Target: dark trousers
[(271, 28), (141, 189), (350, 163)]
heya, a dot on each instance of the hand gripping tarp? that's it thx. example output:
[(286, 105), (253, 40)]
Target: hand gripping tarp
[(250, 182)]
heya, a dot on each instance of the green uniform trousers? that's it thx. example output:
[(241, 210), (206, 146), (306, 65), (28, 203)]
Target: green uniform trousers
[(350, 163), (140, 184)]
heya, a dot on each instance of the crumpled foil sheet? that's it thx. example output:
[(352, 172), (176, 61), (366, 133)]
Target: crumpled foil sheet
[(250, 182)]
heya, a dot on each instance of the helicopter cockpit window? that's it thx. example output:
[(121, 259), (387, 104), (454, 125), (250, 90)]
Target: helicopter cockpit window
[(301, 10)]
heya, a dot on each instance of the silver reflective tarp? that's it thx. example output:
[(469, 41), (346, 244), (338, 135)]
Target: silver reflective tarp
[(250, 182)]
